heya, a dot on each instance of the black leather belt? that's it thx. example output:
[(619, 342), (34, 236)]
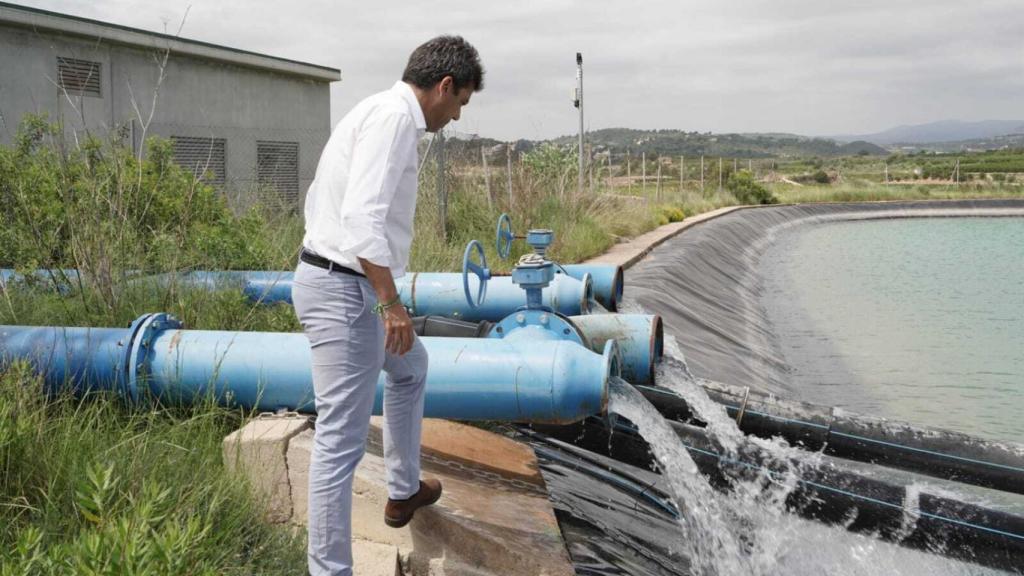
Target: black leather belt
[(321, 262)]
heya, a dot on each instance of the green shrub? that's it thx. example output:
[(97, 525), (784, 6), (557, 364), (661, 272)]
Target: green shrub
[(671, 213), (747, 190), (821, 177)]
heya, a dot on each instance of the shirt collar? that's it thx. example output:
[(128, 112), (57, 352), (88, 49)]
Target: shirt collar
[(405, 91)]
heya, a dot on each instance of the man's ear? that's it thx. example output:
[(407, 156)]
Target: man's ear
[(445, 84)]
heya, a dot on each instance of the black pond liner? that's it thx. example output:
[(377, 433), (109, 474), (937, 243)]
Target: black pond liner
[(616, 518), (613, 516)]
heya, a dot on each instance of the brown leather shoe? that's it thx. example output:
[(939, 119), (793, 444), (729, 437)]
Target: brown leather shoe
[(398, 513)]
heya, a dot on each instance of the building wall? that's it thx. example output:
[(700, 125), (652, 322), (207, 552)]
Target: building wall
[(197, 97)]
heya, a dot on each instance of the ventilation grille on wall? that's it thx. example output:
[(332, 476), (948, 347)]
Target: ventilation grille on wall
[(204, 157), (79, 76), (277, 166)]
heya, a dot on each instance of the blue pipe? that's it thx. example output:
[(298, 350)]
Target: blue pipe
[(516, 380), (640, 338), (441, 294), (61, 278), (609, 281), (424, 293), (265, 287)]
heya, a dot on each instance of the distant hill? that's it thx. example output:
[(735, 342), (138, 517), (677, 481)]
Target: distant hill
[(690, 144), (1002, 142), (942, 131), (678, 142)]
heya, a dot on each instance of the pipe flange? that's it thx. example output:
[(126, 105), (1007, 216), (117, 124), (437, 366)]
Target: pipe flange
[(538, 325), (142, 332)]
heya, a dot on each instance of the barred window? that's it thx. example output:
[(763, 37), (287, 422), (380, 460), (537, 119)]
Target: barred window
[(277, 166), (79, 76), (204, 157)]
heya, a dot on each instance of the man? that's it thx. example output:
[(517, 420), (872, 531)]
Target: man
[(359, 226)]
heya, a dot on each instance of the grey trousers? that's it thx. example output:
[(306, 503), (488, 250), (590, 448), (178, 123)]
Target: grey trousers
[(347, 342)]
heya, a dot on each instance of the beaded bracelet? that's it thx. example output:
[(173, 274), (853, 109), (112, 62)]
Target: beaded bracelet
[(379, 309)]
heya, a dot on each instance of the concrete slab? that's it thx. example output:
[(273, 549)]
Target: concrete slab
[(466, 444), (374, 559), (260, 449), (628, 253), (494, 516)]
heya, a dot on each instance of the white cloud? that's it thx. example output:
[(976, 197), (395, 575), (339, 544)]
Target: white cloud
[(786, 65)]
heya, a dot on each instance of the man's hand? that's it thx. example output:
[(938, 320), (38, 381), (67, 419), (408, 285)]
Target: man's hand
[(398, 333)]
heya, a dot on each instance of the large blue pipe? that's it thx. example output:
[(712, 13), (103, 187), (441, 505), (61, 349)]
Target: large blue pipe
[(640, 337), (514, 380), (609, 281)]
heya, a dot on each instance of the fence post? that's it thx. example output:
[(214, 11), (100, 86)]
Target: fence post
[(508, 154), (702, 174), (719, 174), (590, 167), (657, 192), (682, 172), (442, 189), (643, 174), (629, 173), (608, 183), (487, 178)]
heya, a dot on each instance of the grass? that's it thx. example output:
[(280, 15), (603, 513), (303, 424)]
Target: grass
[(862, 191), (90, 487)]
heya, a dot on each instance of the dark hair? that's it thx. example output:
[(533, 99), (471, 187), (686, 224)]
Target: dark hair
[(445, 56)]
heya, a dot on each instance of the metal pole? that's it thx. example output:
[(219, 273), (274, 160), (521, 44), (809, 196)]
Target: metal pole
[(579, 104), (442, 191)]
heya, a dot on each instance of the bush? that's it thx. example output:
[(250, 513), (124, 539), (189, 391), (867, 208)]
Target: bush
[(749, 191), (102, 210), (821, 177), (670, 213)]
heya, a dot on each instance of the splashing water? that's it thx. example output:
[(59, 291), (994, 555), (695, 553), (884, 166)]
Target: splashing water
[(707, 538), (748, 530)]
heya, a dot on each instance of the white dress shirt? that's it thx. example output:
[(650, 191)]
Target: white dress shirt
[(362, 201)]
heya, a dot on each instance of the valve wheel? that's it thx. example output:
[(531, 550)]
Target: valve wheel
[(504, 236), (480, 270)]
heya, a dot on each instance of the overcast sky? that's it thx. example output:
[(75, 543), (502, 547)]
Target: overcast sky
[(803, 66)]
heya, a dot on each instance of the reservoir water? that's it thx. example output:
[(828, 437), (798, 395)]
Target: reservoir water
[(919, 320)]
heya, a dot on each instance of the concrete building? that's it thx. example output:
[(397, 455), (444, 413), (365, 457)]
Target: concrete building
[(246, 121)]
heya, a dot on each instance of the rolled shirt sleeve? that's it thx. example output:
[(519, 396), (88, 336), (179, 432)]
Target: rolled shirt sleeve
[(385, 146)]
